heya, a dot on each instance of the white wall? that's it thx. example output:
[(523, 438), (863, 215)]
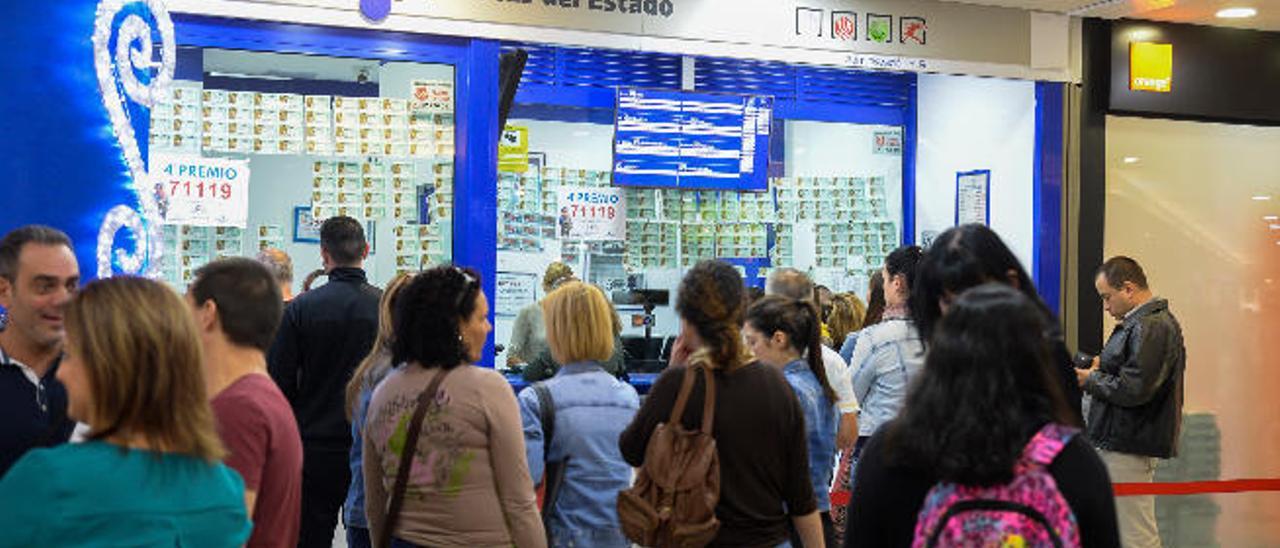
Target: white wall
[(968, 123)]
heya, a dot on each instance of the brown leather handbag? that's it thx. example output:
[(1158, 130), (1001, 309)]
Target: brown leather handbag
[(673, 502)]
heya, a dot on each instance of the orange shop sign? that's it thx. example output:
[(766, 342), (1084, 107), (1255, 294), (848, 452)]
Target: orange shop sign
[(1150, 67)]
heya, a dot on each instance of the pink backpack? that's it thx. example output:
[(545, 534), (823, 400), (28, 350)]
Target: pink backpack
[(1028, 511)]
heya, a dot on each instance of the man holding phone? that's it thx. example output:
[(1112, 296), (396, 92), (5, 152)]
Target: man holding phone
[(1136, 387)]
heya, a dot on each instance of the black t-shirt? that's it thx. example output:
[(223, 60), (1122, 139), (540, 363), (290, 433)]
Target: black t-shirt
[(887, 498), (760, 439)]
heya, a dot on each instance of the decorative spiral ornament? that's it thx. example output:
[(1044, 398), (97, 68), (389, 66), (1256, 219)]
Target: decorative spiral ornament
[(132, 58)]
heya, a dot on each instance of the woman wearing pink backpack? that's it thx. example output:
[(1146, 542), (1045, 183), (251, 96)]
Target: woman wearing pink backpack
[(986, 451)]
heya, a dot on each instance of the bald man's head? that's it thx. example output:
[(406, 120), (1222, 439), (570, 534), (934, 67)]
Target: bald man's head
[(790, 283)]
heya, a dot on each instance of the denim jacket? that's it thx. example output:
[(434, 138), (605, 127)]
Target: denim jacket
[(820, 428), (353, 507), (592, 408), (887, 358)]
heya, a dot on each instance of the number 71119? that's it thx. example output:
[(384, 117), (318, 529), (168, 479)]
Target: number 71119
[(212, 191), (594, 212)]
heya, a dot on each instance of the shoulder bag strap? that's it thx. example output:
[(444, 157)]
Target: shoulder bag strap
[(552, 471), (406, 456), (677, 412), (547, 414), (1046, 444), (708, 401)]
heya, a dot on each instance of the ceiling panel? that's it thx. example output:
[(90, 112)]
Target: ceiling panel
[(1199, 12)]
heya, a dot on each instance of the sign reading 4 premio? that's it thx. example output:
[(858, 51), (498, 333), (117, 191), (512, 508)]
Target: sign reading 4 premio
[(198, 191), (588, 213), (1151, 67)]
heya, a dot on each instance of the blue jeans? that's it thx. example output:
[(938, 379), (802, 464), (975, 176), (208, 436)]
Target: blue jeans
[(588, 538), (358, 537)]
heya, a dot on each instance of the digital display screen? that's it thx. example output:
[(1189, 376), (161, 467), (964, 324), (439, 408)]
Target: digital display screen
[(678, 139)]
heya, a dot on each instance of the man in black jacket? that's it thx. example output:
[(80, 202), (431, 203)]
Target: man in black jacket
[(1135, 387), (323, 336), (38, 277)]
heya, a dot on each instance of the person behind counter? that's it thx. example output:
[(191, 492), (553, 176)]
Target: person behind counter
[(529, 333)]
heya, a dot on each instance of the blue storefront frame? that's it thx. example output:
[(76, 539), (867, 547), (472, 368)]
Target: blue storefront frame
[(475, 63)]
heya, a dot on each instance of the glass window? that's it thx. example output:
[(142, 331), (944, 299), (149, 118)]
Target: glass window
[(835, 211), (1198, 205), (323, 136)]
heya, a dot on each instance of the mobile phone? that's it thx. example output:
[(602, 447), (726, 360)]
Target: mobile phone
[(1082, 360)]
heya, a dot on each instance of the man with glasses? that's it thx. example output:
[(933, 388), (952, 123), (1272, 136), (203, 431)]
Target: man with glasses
[(38, 276), (323, 336)]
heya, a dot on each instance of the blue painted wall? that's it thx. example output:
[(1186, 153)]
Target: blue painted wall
[(60, 162)]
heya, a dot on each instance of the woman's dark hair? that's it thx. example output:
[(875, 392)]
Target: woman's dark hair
[(799, 320), (960, 258), (875, 300), (713, 300), (904, 261), (428, 317), (987, 387)]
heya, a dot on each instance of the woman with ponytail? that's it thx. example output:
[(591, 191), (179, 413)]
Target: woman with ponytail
[(758, 425), (781, 332)]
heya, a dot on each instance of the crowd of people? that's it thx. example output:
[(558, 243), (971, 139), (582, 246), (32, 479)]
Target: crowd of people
[(946, 403)]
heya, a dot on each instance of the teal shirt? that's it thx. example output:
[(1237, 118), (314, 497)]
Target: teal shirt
[(97, 494)]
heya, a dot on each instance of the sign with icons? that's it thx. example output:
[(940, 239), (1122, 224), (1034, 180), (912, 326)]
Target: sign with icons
[(1151, 67), (844, 25)]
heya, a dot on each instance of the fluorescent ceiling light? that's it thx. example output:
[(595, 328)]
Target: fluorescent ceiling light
[(1236, 13), (1131, 159), (1261, 198), (1275, 226), (1271, 218), (249, 76)]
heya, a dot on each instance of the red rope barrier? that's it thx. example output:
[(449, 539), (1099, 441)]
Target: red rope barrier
[(841, 497), (1197, 487)]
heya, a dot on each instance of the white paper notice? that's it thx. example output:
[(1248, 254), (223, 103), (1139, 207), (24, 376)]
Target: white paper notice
[(200, 191), (972, 200), (591, 213)]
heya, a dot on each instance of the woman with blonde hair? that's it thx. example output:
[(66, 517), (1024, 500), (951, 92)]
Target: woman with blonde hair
[(576, 447), (150, 472), (359, 391), (847, 312)]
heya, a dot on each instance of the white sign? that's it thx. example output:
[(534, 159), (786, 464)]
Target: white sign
[(592, 213), (514, 291), (972, 197), (431, 96), (198, 191), (950, 31)]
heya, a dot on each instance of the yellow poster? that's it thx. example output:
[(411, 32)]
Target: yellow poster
[(1150, 67), (513, 149)]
